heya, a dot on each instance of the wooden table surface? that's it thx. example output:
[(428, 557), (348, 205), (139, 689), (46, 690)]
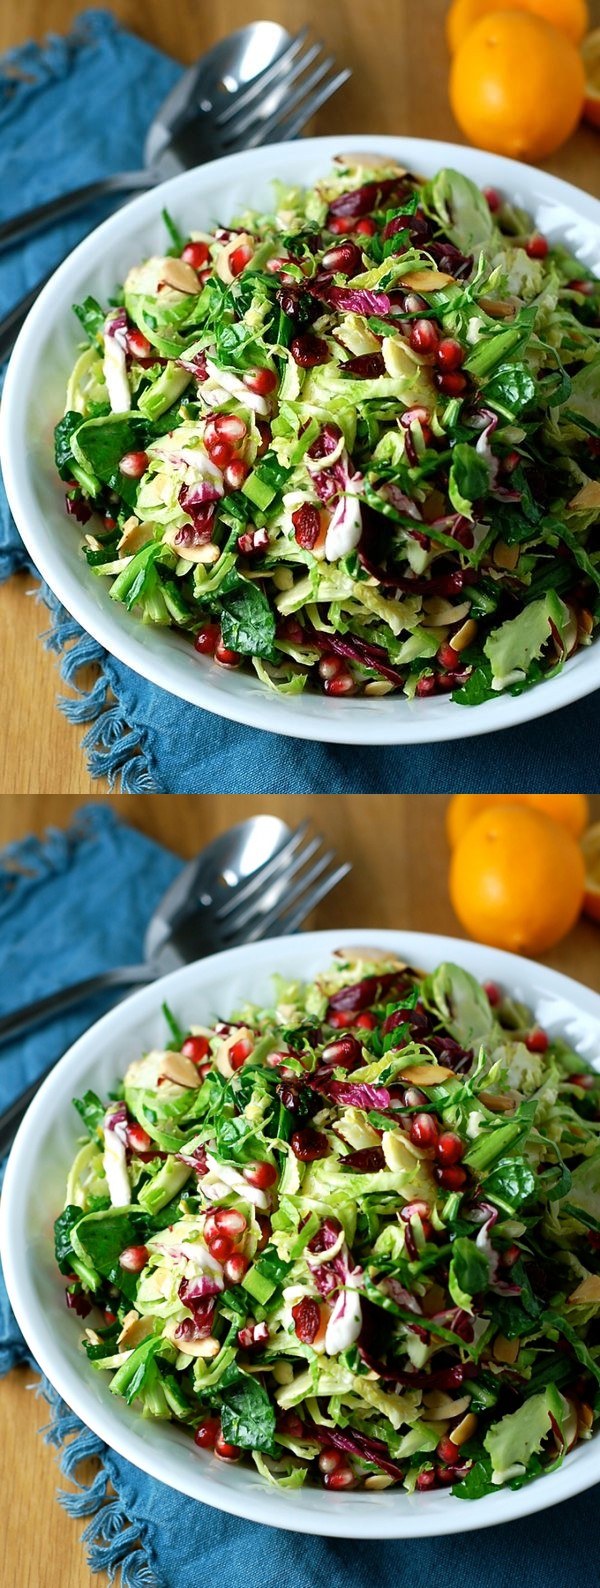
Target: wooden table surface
[(397, 52), (399, 854)]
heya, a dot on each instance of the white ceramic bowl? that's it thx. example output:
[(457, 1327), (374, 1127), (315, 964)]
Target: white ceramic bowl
[(34, 400), (34, 1194)]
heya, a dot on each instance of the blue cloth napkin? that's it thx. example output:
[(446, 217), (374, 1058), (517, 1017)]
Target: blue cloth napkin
[(74, 110), (76, 903)]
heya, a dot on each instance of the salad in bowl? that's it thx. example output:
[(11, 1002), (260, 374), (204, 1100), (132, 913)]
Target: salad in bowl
[(352, 1238), (351, 445)]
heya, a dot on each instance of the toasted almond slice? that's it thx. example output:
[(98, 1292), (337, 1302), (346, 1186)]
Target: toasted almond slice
[(433, 1300), (183, 278), (378, 686), (204, 1348), (93, 1338), (588, 496), (427, 280), (379, 1480), (439, 1406), (588, 1290), (438, 612), (181, 1070), (356, 952), (427, 1074), (371, 159), (586, 621), (505, 1350), (586, 1415), (465, 1429), (465, 635), (134, 1330), (134, 536), (505, 556), (497, 309), (497, 1104), (203, 554)]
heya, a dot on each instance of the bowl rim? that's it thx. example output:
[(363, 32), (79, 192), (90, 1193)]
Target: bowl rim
[(371, 722), (268, 1506)]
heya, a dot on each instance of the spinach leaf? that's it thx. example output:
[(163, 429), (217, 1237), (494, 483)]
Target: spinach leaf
[(510, 1184), (510, 389), (247, 1416), (103, 1236), (469, 477), (63, 1225), (469, 1271), (91, 1110), (247, 622), (272, 1266), (92, 317), (477, 1482), (63, 432), (477, 688), (103, 443)]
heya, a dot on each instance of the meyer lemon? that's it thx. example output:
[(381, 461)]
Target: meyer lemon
[(517, 879), (590, 53), (569, 16), (517, 85), (571, 810), (590, 845)]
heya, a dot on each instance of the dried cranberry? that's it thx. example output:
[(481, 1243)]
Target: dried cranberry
[(367, 1160), (366, 366), (309, 350), (307, 525), (307, 1319), (309, 1144)]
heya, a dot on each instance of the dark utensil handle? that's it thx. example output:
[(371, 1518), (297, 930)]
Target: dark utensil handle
[(11, 1117), (11, 231), (19, 1020)]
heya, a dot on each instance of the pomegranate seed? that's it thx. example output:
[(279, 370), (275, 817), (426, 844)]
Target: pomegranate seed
[(207, 1433), (138, 1138), (345, 259), (424, 336), (423, 1130), (264, 431), (426, 685), (330, 666), (330, 1460), (342, 685), (210, 1227), (413, 416), (451, 384), (275, 1059), (229, 428), (235, 1268), (207, 639), (229, 1222), (510, 462), (585, 1081), (342, 1478), (196, 254), (339, 1020), (366, 227), (537, 247), (537, 1041), (235, 474), (510, 1256), (412, 1210), (240, 258), (221, 453), (447, 1451), (261, 381), (134, 1258), (133, 464), (290, 1423), (366, 1021), (586, 287), (449, 354), (239, 1052), (264, 1225), (492, 992), (449, 1148), (414, 1098), (309, 350), (426, 1480), (493, 198), (110, 1317), (196, 1048), (278, 263), (261, 1175), (448, 657), (452, 1178), (339, 225), (307, 526), (253, 1334), (345, 1052), (221, 1246), (138, 344), (309, 1144), (224, 1451), (307, 1320), (225, 657)]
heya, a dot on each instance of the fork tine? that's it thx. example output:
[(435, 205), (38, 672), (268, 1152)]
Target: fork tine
[(269, 74), (242, 118), (289, 129), (270, 898), (288, 921), (244, 890), (271, 124), (277, 910)]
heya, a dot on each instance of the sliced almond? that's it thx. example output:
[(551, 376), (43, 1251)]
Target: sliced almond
[(496, 1103), (94, 545), (505, 1350), (379, 686), (433, 1301), (427, 1074), (439, 612), (585, 1414), (93, 1338), (587, 1291), (206, 555), (183, 278), (465, 1430), (427, 280), (180, 1070), (204, 1348), (440, 1406), (465, 635), (134, 1330), (134, 536), (355, 953), (371, 160), (588, 496), (497, 309), (586, 621), (505, 556), (379, 1480)]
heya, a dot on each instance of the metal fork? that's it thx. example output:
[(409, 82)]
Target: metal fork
[(273, 901)]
